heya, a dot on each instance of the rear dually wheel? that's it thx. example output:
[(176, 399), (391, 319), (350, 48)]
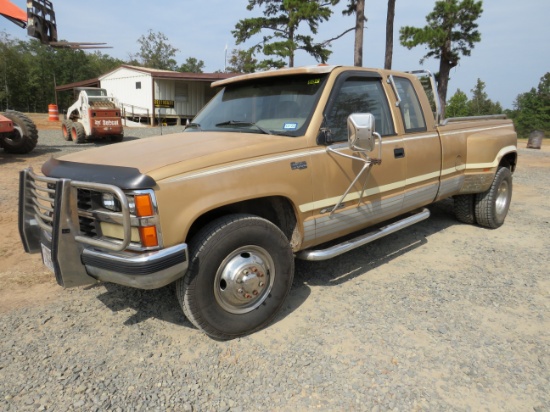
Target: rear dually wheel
[(491, 206)]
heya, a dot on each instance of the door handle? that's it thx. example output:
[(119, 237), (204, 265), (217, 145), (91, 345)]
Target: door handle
[(399, 153)]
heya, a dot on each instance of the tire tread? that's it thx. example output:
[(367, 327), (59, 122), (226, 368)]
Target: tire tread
[(185, 286), (485, 212), (464, 208), (30, 133)]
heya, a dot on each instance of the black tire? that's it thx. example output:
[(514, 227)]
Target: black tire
[(491, 207), (24, 137), (464, 208), (117, 138), (240, 272), (78, 134), (66, 127)]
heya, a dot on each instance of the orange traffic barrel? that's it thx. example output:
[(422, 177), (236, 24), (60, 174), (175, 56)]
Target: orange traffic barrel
[(53, 113)]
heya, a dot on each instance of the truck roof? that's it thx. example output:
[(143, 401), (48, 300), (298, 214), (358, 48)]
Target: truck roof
[(313, 69), (287, 71)]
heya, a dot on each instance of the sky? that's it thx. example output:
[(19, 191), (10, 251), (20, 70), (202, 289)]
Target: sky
[(514, 52)]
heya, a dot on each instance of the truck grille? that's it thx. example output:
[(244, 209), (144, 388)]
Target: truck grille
[(43, 200), (84, 202)]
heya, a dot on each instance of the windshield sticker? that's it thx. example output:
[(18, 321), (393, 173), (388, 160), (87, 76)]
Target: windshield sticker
[(290, 126), (314, 81)]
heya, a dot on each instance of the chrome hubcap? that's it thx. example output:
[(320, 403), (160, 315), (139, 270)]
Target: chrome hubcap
[(501, 203), (244, 279)]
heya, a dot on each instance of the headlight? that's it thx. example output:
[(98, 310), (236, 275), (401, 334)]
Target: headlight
[(132, 205), (110, 202)]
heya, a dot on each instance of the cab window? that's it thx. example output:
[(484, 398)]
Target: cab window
[(358, 95), (411, 111)]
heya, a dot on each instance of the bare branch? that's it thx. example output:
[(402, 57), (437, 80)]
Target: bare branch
[(337, 37)]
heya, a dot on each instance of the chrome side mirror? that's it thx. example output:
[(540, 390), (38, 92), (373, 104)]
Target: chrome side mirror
[(361, 134)]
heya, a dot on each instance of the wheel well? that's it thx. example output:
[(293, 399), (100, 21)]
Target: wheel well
[(74, 115), (509, 161), (277, 209)]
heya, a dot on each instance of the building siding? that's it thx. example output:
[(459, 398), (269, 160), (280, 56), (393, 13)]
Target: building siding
[(122, 84)]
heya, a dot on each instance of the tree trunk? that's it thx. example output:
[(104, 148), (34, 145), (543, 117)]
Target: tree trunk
[(359, 26), (446, 63), (291, 56), (389, 34), (444, 72)]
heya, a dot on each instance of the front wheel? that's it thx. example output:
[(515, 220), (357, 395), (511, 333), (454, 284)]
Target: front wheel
[(66, 127), (241, 270), (491, 206), (78, 133)]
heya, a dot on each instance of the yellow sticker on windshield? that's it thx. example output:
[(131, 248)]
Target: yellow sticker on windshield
[(314, 81)]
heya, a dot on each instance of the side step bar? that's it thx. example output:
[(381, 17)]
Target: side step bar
[(348, 245)]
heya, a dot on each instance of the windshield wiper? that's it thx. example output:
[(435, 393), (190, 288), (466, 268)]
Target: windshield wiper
[(194, 125), (244, 124)]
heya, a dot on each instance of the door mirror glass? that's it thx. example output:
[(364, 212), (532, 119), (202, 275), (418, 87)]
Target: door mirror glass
[(361, 132)]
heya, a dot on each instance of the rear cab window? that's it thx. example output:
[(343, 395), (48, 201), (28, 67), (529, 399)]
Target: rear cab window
[(410, 108)]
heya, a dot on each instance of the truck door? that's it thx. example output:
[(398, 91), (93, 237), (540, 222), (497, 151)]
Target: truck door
[(377, 195), (422, 147)]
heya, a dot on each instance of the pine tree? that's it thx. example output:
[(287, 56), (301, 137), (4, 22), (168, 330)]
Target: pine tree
[(451, 32), (283, 18)]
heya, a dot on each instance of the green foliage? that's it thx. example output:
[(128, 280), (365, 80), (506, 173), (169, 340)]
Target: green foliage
[(282, 19), (155, 52), (30, 72), (450, 33), (458, 105), (479, 105), (532, 109), (451, 30), (242, 61), (192, 65)]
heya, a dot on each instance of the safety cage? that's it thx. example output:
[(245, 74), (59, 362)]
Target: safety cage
[(98, 215)]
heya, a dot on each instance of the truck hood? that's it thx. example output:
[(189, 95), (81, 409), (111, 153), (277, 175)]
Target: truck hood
[(165, 156)]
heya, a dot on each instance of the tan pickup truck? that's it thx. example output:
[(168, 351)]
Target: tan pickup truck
[(279, 165)]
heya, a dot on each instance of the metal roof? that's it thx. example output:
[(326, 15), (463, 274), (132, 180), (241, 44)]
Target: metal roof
[(155, 73)]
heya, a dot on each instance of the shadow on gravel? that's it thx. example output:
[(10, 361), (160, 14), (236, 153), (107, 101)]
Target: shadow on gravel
[(162, 303), (357, 262), (159, 304), (6, 158)]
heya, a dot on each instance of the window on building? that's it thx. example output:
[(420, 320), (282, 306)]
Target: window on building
[(138, 85), (182, 91)]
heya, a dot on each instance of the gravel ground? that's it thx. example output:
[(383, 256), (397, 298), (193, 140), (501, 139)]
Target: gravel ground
[(441, 316)]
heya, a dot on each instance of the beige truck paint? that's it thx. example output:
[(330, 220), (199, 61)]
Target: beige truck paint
[(295, 180)]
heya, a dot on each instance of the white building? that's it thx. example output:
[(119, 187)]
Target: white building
[(147, 95)]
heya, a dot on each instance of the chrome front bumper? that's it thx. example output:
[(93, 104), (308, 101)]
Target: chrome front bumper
[(143, 271), (77, 260)]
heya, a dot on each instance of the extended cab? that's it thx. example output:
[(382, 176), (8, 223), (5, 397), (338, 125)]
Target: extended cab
[(280, 164)]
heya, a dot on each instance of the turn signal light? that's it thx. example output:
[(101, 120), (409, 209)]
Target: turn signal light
[(148, 235), (144, 206)]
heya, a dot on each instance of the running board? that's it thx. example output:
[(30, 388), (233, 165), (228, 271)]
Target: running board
[(348, 245)]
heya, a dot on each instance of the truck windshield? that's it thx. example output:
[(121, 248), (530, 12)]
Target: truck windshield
[(276, 105)]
